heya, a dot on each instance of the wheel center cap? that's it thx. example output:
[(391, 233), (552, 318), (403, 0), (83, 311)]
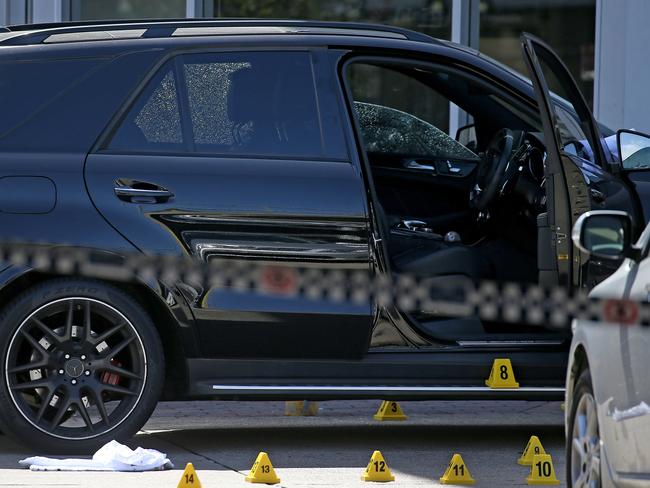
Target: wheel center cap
[(74, 368)]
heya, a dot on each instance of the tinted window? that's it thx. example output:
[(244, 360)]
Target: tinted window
[(208, 101), (261, 104), (253, 103), (154, 123), (28, 86)]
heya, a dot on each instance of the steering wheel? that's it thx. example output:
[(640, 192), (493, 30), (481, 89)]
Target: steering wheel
[(491, 172)]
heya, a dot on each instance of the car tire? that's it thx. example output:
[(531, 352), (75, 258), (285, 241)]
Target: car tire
[(583, 439), (82, 365)]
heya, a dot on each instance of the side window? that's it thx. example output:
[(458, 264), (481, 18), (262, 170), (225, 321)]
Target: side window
[(154, 123), (254, 103), (402, 115), (28, 86), (245, 104)]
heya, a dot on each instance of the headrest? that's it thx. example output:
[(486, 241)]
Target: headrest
[(296, 90), (250, 95)]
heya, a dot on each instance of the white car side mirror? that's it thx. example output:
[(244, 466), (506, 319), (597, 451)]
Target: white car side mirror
[(605, 234)]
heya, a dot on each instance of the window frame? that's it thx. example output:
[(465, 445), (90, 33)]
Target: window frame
[(102, 146)]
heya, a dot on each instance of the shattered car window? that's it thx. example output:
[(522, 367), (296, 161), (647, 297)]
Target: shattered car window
[(160, 119), (388, 130)]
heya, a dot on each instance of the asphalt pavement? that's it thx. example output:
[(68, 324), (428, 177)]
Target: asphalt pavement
[(331, 449)]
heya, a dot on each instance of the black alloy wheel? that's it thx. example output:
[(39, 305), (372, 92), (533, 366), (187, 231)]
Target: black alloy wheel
[(82, 366)]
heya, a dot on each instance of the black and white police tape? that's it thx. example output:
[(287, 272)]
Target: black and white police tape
[(528, 304)]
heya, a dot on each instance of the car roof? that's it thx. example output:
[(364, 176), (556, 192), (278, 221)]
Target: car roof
[(80, 38), (54, 33)]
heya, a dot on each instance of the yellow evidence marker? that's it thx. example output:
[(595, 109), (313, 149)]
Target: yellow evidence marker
[(262, 471), (533, 448), (457, 473), (389, 411), (377, 469), (502, 375), (300, 408), (189, 478), (542, 471)]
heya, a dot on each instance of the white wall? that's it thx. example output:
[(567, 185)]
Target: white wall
[(622, 89)]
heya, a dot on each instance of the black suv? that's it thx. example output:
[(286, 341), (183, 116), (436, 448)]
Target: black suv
[(300, 143)]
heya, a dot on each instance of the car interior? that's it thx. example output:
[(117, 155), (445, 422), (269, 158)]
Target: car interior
[(464, 206)]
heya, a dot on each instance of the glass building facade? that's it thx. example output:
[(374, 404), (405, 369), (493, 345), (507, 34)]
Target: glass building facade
[(432, 17), (567, 25), (126, 9)]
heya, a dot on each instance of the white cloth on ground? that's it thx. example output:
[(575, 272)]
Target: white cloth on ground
[(111, 457)]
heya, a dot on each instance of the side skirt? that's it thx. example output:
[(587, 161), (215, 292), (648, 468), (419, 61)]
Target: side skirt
[(451, 374)]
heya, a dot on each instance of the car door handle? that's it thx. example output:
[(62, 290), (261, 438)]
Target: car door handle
[(413, 164), (143, 195)]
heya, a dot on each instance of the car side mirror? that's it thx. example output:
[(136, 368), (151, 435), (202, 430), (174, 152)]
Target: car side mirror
[(633, 149), (605, 234)]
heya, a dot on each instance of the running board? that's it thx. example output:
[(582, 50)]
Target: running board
[(353, 391)]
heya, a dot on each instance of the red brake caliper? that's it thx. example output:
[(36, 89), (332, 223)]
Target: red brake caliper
[(111, 378)]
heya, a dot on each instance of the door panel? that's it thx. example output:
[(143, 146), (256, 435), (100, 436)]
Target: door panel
[(606, 192), (292, 212), (568, 194), (428, 189), (588, 182), (640, 181), (619, 362), (620, 354), (222, 156)]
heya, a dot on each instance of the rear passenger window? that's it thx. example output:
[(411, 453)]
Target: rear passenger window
[(244, 104), (28, 86), (253, 103)]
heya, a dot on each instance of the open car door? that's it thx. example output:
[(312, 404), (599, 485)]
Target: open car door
[(568, 193)]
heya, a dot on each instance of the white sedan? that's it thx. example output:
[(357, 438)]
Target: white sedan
[(608, 379)]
